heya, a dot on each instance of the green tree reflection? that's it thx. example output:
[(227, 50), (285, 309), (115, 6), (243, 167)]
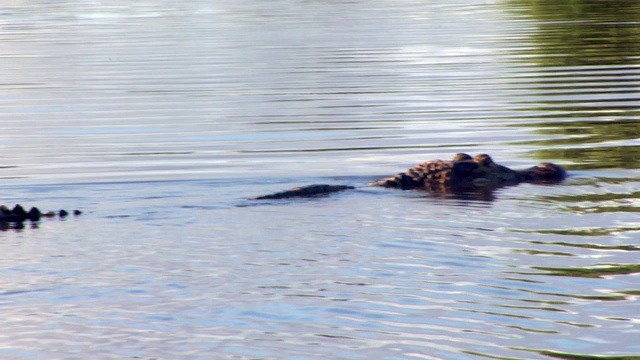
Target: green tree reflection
[(585, 56)]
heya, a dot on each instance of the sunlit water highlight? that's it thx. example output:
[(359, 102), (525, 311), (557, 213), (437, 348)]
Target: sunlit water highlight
[(161, 120)]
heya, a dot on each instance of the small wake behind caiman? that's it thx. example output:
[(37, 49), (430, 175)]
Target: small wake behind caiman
[(461, 174)]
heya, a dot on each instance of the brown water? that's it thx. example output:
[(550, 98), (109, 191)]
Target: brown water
[(161, 119)]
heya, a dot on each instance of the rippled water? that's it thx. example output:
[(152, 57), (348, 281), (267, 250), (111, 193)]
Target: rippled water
[(161, 119)]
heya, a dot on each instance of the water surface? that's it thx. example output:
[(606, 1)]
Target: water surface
[(162, 119)]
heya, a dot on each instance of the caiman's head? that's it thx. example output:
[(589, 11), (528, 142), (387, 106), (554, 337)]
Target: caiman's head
[(544, 172), (492, 174)]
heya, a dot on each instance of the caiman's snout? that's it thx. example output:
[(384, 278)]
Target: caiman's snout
[(545, 172)]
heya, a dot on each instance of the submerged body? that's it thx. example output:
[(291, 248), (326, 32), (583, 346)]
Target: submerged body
[(463, 173)]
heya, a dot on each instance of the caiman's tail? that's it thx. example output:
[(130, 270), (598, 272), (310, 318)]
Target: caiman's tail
[(18, 214), (305, 191)]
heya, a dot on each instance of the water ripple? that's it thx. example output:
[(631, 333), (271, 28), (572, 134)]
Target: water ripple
[(162, 120)]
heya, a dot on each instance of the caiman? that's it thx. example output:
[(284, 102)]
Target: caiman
[(462, 173)]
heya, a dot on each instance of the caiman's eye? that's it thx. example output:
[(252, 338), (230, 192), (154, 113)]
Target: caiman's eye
[(483, 159)]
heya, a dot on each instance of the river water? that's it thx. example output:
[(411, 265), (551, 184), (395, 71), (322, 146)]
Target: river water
[(160, 119)]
